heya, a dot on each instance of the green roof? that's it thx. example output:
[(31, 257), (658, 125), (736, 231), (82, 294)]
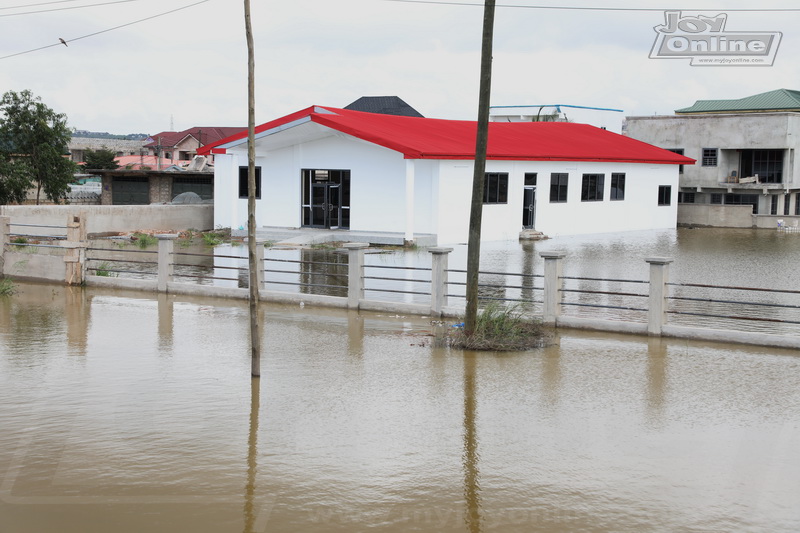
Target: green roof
[(779, 100)]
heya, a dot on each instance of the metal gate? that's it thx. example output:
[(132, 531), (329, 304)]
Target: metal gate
[(130, 191)]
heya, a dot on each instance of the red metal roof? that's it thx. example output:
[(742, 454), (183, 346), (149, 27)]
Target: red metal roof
[(427, 138), (207, 135)]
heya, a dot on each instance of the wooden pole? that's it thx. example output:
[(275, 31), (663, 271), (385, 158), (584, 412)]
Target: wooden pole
[(253, 263), (481, 142)]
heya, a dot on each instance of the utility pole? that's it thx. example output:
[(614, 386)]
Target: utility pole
[(481, 142), (252, 261)]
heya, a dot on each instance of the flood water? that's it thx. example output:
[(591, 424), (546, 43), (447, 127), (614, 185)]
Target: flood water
[(130, 412)]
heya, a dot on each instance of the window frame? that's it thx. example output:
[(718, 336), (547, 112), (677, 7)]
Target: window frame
[(617, 192), (559, 182), (243, 191), (708, 159), (495, 188), (664, 195), (592, 187)]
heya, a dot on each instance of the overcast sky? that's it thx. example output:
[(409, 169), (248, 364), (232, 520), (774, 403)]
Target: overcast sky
[(188, 68)]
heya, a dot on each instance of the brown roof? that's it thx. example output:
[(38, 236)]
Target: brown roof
[(206, 135)]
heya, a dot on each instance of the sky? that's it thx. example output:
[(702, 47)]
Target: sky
[(188, 68)]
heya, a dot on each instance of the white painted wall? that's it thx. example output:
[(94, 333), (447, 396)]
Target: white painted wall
[(442, 192), (638, 211)]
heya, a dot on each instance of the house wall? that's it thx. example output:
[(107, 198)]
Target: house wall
[(442, 193), (638, 211), (728, 133), (377, 185)]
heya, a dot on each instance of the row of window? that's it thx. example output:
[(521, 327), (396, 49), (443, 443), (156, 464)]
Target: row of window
[(495, 187)]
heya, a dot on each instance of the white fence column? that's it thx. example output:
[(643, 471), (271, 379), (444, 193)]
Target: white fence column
[(438, 279), (75, 255), (166, 268), (553, 283), (659, 277), (355, 272)]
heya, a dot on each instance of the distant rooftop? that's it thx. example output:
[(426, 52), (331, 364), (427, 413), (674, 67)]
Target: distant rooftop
[(778, 100), (384, 105)]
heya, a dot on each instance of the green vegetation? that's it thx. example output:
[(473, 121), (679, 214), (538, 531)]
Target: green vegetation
[(33, 143), (212, 238), (143, 240), (19, 240), (104, 269), (269, 244), (102, 159), (7, 286), (498, 328)]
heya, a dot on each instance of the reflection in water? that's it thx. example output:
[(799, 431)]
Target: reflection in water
[(355, 333), (165, 321), (371, 430), (472, 489), (656, 377), (252, 452)]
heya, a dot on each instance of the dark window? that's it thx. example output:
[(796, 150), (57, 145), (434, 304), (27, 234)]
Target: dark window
[(558, 187), (243, 182), (716, 198), (592, 187), (617, 186), (530, 179), (743, 199), (203, 186), (495, 188), (709, 157), (786, 201), (678, 151), (686, 197), (797, 204), (773, 209), (664, 194), (767, 164)]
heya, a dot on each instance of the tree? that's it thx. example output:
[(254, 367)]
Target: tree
[(102, 159), (33, 145)]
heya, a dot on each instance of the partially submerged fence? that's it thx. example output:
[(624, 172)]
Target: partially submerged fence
[(655, 306)]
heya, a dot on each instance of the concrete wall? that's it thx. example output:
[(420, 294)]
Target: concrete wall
[(722, 216), (728, 133), (34, 263), (107, 218)]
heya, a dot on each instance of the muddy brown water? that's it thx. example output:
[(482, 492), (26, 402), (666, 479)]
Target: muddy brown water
[(130, 412)]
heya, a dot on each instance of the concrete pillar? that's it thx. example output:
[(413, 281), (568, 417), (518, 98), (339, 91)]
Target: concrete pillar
[(553, 283), (5, 229), (166, 268), (355, 273), (409, 230), (438, 279), (659, 277), (75, 255)]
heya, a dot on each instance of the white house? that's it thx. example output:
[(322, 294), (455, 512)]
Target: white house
[(323, 167)]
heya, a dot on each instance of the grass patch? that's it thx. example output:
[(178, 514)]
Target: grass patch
[(143, 240), (499, 329), (212, 238), (7, 286), (104, 270), (269, 244), (19, 240)]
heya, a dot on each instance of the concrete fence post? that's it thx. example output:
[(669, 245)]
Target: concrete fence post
[(5, 229), (659, 277), (75, 255), (260, 263), (166, 267), (439, 279), (553, 283), (355, 272)]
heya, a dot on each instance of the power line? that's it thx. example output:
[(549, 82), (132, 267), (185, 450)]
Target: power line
[(579, 8), (36, 5), (67, 8), (107, 30)]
